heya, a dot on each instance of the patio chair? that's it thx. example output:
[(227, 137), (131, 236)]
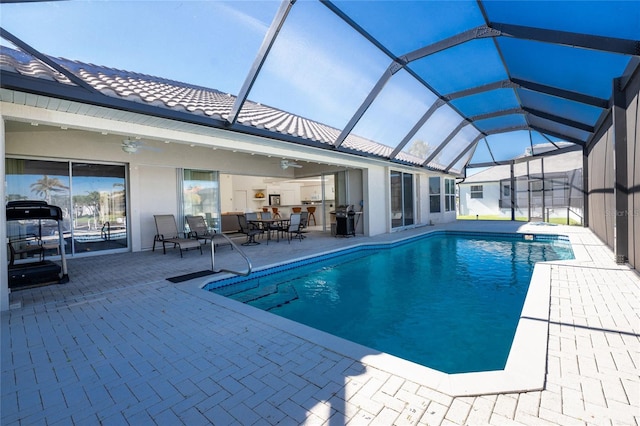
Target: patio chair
[(276, 226), (250, 230), (167, 233), (293, 231), (304, 221), (198, 228)]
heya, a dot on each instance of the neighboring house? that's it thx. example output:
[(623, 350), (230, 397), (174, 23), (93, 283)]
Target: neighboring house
[(545, 188), (480, 194)]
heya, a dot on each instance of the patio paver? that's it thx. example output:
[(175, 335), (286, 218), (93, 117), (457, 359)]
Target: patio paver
[(119, 344)]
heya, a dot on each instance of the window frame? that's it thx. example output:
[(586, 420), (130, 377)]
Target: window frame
[(402, 187), (117, 199), (476, 194), (449, 195), (435, 202)]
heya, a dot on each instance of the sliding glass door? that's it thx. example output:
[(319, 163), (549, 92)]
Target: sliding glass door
[(200, 196), (92, 198), (99, 207), (401, 199)]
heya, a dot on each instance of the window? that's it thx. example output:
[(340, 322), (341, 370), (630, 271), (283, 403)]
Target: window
[(506, 190), (434, 194), (401, 199), (476, 191), (449, 195), (200, 195)]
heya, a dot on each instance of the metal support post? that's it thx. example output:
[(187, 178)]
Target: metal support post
[(621, 190)]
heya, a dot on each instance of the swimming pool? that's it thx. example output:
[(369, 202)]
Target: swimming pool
[(447, 301)]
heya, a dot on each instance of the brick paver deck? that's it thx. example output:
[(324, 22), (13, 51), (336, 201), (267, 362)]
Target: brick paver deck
[(121, 345)]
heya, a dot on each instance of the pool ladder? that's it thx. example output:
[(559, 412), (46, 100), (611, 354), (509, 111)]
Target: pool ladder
[(237, 249)]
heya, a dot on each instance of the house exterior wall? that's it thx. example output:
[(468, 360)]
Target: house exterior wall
[(427, 217), (376, 204), (152, 171), (157, 193), (422, 203)]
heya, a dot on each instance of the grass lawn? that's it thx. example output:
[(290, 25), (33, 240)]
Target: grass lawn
[(490, 217), (556, 220)]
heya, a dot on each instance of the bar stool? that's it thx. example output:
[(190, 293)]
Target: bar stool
[(275, 213), (311, 211), (296, 209)]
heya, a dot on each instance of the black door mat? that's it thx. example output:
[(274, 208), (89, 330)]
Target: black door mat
[(187, 277)]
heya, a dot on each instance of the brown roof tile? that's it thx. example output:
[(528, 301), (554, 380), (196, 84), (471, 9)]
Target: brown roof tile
[(179, 96)]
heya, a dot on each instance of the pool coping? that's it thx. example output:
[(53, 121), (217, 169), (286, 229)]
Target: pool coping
[(526, 365)]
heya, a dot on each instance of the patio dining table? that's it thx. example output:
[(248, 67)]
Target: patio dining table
[(267, 225)]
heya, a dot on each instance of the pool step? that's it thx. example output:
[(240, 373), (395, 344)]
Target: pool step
[(234, 289), (255, 293), (283, 294)]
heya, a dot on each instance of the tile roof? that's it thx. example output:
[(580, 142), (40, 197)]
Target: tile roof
[(183, 97), (22, 63)]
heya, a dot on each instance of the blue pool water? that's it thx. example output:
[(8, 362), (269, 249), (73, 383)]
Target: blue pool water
[(449, 302)]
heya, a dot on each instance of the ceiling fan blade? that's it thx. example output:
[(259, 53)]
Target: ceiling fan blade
[(285, 164)]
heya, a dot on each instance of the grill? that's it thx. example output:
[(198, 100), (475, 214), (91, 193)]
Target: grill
[(345, 223)]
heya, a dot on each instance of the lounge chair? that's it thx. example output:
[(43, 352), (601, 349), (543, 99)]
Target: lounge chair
[(198, 228), (167, 233), (250, 230)]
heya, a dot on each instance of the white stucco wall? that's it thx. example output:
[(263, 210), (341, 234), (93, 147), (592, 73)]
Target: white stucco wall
[(375, 197), (157, 194)]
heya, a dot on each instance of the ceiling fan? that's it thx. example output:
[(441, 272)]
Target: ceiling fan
[(131, 146), (285, 164)]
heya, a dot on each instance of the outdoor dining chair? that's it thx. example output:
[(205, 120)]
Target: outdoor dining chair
[(293, 231), (249, 229), (272, 227)]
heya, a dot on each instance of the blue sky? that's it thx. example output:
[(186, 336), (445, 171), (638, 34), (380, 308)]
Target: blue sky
[(319, 67), (212, 44), (190, 41)]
